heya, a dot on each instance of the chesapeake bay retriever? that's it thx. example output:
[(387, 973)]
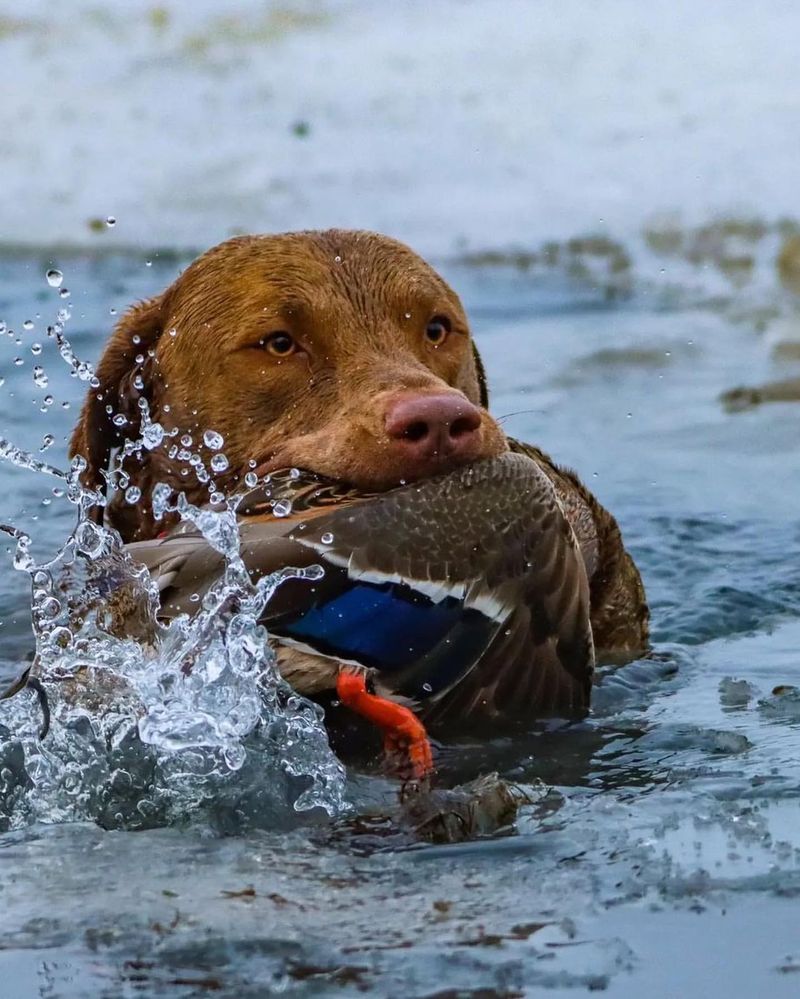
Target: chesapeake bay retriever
[(338, 352)]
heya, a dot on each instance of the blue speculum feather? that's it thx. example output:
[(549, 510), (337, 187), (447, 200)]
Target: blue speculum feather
[(395, 629)]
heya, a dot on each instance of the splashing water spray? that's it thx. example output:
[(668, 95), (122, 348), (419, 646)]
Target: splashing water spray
[(154, 724)]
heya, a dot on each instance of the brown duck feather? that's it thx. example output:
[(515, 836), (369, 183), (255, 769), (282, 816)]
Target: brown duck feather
[(492, 537)]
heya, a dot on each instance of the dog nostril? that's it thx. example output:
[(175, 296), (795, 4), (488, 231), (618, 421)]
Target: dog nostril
[(464, 425), (416, 431)]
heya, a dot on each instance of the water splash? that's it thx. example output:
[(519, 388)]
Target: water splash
[(154, 724)]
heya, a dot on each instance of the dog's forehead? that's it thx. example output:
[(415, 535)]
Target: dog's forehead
[(315, 269)]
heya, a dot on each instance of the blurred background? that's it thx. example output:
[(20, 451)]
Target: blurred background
[(457, 125)]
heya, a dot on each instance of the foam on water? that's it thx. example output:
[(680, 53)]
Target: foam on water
[(154, 724)]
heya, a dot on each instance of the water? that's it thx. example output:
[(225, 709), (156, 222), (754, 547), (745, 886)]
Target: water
[(667, 858)]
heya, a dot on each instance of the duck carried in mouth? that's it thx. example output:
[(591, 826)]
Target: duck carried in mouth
[(457, 601)]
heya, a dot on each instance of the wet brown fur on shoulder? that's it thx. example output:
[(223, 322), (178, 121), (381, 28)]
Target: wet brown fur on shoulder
[(619, 611)]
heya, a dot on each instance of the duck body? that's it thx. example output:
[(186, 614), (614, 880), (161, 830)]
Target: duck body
[(463, 597)]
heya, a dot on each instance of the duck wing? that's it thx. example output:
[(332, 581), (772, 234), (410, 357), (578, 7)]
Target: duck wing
[(465, 589), (490, 544)]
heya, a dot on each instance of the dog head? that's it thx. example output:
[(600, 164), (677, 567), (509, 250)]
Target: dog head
[(338, 352)]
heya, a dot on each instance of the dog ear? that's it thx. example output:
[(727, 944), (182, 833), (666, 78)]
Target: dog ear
[(480, 371), (96, 435)]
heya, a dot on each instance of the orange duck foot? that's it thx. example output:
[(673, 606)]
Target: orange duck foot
[(405, 735)]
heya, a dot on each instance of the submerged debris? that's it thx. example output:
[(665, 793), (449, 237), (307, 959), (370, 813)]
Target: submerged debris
[(483, 807)]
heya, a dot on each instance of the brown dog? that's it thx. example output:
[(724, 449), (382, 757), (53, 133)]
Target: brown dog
[(338, 352)]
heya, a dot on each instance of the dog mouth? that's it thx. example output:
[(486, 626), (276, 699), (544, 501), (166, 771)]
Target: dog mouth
[(423, 436), (305, 474), (364, 483)]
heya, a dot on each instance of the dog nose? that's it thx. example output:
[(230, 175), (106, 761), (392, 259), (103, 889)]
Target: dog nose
[(429, 429)]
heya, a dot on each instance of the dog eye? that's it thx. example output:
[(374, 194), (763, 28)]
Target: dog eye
[(279, 344), (437, 330)]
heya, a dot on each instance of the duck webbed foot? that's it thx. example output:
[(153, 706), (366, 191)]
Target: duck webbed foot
[(405, 738)]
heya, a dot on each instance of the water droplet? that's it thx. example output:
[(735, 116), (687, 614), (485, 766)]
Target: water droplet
[(251, 480), (47, 441), (111, 221), (89, 539), (49, 607), (148, 263), (133, 494), (160, 499), (152, 435), (39, 376), (36, 349), (337, 259), (186, 440), (18, 361), (282, 508), (427, 688), (60, 637), (294, 473), (64, 293), (219, 463), (213, 440), (327, 538), (27, 324), (119, 420), (217, 497), (408, 315), (54, 277)]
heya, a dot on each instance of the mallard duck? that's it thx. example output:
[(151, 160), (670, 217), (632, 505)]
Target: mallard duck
[(458, 599)]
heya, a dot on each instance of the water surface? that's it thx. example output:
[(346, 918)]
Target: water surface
[(666, 858)]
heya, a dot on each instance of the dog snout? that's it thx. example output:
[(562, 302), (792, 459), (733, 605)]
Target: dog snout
[(433, 429)]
